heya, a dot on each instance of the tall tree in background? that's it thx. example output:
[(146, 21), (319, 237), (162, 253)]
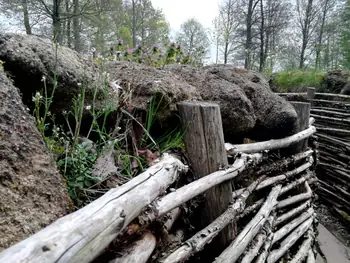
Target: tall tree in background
[(228, 24), (307, 11), (194, 40)]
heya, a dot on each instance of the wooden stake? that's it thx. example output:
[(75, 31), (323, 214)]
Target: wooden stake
[(310, 93), (205, 147), (303, 111)]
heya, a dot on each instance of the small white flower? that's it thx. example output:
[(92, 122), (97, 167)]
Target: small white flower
[(88, 107), (64, 112), (93, 49), (79, 84), (43, 79)]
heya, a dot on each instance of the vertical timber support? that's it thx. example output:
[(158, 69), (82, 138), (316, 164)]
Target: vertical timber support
[(303, 112), (205, 147), (311, 92)]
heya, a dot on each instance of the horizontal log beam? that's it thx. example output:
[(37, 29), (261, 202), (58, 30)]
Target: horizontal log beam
[(189, 191), (270, 145)]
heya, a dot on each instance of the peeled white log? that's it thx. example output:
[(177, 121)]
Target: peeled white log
[(311, 121), (205, 236), (265, 251), (258, 242), (294, 184), (187, 192), (296, 198), (293, 212), (289, 241), (304, 248), (282, 232), (279, 178), (311, 257), (82, 235), (253, 252), (237, 247), (270, 145), (139, 251)]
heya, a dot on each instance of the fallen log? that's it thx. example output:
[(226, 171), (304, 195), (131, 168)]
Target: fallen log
[(270, 145), (139, 251), (187, 192), (237, 247), (205, 236), (285, 230), (330, 109), (289, 241), (84, 234), (304, 249), (286, 216), (333, 196), (258, 241), (297, 198)]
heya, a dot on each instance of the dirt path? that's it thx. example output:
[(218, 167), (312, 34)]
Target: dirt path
[(334, 250)]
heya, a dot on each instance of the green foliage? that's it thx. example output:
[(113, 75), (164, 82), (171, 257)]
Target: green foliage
[(155, 56), (76, 167), (1, 65), (297, 80)]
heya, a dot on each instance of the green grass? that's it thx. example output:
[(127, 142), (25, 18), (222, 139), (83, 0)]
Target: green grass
[(297, 80)]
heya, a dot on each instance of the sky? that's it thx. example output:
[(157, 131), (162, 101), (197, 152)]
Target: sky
[(178, 11)]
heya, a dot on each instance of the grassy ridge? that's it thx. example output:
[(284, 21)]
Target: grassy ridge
[(296, 80)]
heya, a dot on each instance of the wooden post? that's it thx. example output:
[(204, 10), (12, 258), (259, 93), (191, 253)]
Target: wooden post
[(205, 147), (311, 92), (303, 112)]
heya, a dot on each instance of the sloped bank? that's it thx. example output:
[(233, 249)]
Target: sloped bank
[(32, 192)]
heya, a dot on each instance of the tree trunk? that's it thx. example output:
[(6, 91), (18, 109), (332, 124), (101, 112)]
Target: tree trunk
[(68, 27), (134, 23), (305, 32), (76, 25), (249, 23), (262, 32), (26, 17), (56, 21), (320, 37)]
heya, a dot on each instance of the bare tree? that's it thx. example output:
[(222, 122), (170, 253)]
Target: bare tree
[(307, 11), (194, 39)]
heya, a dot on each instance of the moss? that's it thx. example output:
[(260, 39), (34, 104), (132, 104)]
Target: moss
[(344, 215)]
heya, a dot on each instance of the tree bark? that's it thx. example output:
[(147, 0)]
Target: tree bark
[(26, 17), (76, 25)]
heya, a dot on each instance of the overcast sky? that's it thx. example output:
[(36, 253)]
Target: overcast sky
[(178, 11)]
